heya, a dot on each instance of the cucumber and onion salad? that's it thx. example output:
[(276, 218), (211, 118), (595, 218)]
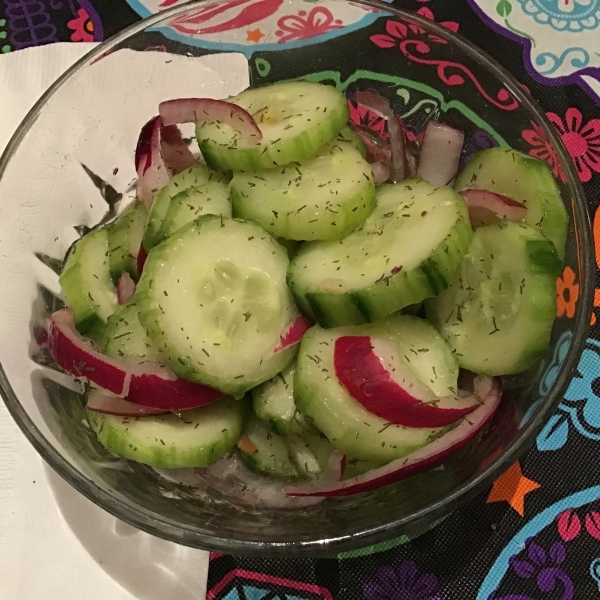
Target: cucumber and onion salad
[(290, 310)]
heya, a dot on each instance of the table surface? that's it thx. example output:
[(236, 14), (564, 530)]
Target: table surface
[(536, 533)]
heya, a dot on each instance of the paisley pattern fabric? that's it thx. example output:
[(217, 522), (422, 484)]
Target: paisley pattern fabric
[(536, 533)]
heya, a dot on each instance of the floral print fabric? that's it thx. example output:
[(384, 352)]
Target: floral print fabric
[(581, 139)]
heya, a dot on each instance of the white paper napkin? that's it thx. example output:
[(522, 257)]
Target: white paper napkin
[(54, 543)]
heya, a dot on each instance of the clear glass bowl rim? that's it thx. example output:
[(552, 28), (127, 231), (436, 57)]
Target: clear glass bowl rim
[(169, 529)]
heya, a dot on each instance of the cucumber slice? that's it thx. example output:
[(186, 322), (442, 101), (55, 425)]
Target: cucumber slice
[(413, 309), (265, 452), (156, 214), (196, 175), (211, 198), (124, 336), (213, 299), (324, 197), (525, 179), (348, 136), (303, 457), (498, 313), (290, 245), (320, 446), (86, 284), (348, 426), (354, 468), (124, 241), (310, 453), (194, 438), (406, 251), (426, 354), (296, 119), (273, 403)]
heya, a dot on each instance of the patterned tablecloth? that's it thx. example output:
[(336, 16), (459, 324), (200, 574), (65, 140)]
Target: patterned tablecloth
[(536, 533)]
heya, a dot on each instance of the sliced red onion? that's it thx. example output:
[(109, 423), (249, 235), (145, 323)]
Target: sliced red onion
[(40, 334), (403, 399), (381, 172), (235, 481), (153, 384), (378, 150), (107, 404), (374, 102), (125, 288), (293, 334), (412, 158), (398, 167), (142, 149), (440, 153), (427, 457), (149, 164), (141, 260), (176, 155), (419, 138), (486, 207), (198, 110), (381, 106), (76, 355), (411, 165), (150, 384), (160, 153)]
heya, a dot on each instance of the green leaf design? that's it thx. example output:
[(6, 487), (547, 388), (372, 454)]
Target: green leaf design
[(504, 8), (262, 66)]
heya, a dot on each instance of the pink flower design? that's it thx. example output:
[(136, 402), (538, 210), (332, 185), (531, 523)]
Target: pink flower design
[(218, 17), (363, 117), (82, 27), (569, 524), (301, 26), (582, 140), (428, 14), (398, 31), (414, 43), (543, 149)]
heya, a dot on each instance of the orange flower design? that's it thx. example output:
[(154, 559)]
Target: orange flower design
[(596, 305), (567, 292)]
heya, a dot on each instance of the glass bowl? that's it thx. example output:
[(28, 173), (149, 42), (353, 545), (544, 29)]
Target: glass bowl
[(70, 166)]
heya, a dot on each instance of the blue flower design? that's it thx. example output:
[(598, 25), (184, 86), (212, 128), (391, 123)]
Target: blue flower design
[(560, 353), (564, 15), (547, 381), (582, 399), (581, 405)]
